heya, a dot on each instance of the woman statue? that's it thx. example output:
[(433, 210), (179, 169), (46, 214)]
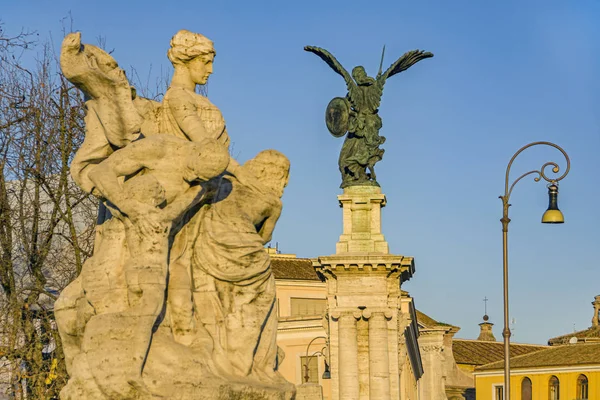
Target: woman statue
[(191, 116), (220, 285)]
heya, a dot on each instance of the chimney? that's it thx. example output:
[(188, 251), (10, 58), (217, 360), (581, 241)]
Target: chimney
[(596, 317), (485, 332)]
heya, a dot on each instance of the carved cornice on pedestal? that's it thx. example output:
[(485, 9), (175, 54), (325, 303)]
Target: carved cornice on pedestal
[(391, 264), (431, 348)]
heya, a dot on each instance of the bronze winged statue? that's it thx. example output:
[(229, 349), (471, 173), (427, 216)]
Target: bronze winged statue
[(357, 115)]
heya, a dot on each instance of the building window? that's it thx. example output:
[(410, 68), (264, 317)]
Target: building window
[(499, 392), (554, 388), (526, 389), (303, 306), (582, 387), (313, 369)]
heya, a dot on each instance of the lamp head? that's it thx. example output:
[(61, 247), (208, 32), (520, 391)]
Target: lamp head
[(553, 215), (326, 373)]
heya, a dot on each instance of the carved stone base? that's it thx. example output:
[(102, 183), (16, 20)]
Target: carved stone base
[(208, 389), (309, 391), (172, 371)]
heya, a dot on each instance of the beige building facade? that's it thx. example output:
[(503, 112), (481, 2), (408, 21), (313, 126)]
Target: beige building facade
[(301, 306)]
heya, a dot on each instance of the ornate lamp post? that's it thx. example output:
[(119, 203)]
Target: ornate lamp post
[(326, 373), (552, 216)]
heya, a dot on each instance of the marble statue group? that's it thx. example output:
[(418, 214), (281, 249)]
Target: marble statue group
[(178, 299)]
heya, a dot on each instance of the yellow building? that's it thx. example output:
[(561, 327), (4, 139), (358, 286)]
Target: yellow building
[(569, 372)]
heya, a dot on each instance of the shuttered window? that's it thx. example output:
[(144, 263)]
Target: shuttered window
[(304, 306), (582, 387), (498, 392), (313, 369)]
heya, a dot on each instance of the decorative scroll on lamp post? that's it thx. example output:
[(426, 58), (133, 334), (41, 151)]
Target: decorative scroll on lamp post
[(326, 373), (552, 216)]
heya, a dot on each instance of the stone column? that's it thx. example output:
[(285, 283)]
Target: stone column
[(379, 368), (348, 357), (432, 385)]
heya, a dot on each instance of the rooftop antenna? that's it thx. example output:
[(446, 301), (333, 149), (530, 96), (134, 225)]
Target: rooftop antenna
[(512, 325)]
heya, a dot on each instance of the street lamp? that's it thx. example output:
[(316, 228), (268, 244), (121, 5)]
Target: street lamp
[(552, 216), (326, 373)]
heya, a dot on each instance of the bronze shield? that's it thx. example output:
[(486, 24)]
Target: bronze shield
[(336, 116)]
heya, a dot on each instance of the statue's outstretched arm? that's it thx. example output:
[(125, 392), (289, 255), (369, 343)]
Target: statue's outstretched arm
[(124, 162)]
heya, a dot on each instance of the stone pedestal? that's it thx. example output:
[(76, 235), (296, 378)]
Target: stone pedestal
[(364, 302), (309, 391), (361, 207)]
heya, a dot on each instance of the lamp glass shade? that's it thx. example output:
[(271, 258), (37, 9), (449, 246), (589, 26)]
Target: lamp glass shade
[(553, 215), (326, 373)]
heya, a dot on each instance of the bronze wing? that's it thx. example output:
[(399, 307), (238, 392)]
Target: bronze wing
[(337, 67), (409, 59)]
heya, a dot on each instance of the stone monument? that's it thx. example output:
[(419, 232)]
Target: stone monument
[(357, 115), (178, 298), (365, 320)]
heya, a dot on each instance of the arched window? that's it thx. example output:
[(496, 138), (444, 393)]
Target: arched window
[(553, 388), (582, 387), (526, 389)]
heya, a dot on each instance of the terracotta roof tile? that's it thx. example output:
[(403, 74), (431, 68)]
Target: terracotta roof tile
[(578, 354), (293, 268), (427, 322), (480, 352)]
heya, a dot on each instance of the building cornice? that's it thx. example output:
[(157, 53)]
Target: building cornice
[(299, 282), (539, 371)]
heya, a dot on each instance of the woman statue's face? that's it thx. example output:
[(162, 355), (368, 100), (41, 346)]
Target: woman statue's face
[(200, 68)]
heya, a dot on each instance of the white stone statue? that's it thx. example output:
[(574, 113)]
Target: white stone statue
[(178, 299)]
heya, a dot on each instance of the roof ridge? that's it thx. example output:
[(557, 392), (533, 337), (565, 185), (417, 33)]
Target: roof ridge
[(497, 342), (591, 328), (499, 363)]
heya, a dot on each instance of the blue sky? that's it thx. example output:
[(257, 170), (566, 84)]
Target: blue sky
[(504, 74)]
